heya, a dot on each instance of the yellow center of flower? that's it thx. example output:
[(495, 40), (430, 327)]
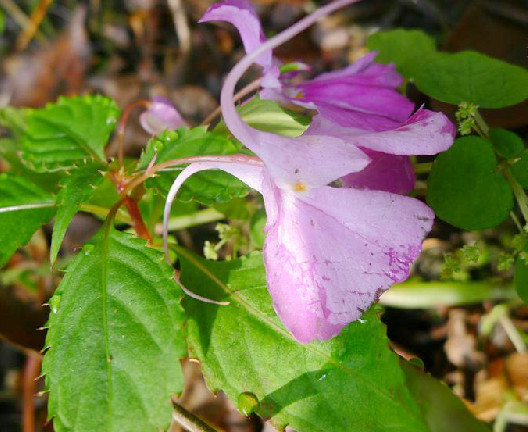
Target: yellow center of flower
[(299, 187)]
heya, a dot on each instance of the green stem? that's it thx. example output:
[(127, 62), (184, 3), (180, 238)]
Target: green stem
[(518, 191), (189, 421), (423, 168), (482, 125)]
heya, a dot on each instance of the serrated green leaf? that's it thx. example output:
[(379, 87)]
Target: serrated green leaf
[(442, 410), (506, 143), (24, 208), (207, 187), (114, 340), (14, 119), (350, 383), (65, 133), (465, 187), (472, 77), (407, 49), (76, 189), (269, 116), (10, 153)]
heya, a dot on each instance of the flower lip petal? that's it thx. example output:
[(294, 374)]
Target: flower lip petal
[(331, 253)]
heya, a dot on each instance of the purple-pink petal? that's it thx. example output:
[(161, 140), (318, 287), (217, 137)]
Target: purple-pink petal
[(332, 252), (159, 116), (306, 161), (424, 133), (385, 172), (363, 95), (241, 14)]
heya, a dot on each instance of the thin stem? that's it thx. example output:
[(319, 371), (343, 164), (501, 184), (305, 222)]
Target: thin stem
[(181, 25), (422, 168), (519, 193), (255, 85), (137, 220), (18, 16), (516, 221), (235, 158), (189, 421), (45, 204), (31, 373), (120, 130), (34, 23), (235, 124), (482, 125)]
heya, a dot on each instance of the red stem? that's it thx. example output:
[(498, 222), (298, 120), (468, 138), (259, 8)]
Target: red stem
[(31, 373), (137, 220), (120, 130)]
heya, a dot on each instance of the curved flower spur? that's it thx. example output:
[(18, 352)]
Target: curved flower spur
[(329, 252)]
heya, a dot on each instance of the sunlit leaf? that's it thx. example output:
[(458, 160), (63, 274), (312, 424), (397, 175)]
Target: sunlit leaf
[(76, 189), (24, 208), (350, 383), (115, 339), (64, 133), (269, 116)]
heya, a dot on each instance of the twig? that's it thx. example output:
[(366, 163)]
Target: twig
[(189, 421), (34, 23), (19, 16), (181, 25), (255, 85)]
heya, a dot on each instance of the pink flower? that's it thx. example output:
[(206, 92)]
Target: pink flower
[(362, 95), (329, 252), (159, 116)]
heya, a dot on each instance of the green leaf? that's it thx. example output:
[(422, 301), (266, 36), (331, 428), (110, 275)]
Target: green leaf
[(64, 133), (77, 189), (521, 276), (506, 143), (442, 410), (207, 187), (10, 153), (14, 119), (472, 77), (114, 340), (407, 49), (520, 170), (24, 208), (465, 188), (350, 383), (269, 116)]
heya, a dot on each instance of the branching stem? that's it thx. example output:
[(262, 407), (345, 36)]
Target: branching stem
[(120, 130)]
